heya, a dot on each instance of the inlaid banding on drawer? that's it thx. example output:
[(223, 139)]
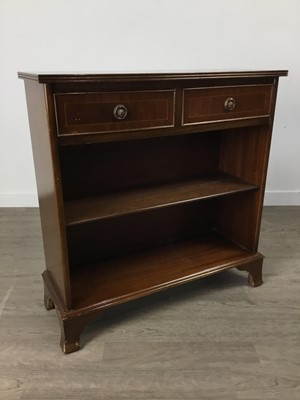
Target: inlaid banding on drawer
[(80, 113), (205, 105)]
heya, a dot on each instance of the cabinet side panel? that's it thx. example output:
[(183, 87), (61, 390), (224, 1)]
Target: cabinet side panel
[(49, 190), (245, 153)]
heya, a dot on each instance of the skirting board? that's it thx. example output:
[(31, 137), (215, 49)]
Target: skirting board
[(272, 198), (282, 198), (18, 200)]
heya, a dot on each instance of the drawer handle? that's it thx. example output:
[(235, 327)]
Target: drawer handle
[(229, 104), (120, 112)]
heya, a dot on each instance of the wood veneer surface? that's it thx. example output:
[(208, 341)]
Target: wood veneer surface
[(117, 279), (154, 196)]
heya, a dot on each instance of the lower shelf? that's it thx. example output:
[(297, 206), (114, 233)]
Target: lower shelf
[(120, 279)]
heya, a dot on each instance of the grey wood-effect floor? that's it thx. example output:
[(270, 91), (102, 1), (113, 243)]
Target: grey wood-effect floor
[(215, 338)]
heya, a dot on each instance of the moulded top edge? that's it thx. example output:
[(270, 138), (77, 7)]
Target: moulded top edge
[(53, 77)]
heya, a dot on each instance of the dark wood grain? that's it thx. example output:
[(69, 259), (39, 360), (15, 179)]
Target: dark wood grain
[(111, 237), (153, 196), (91, 170), (249, 161), (202, 105), (128, 210), (49, 187), (93, 112), (119, 279), (172, 132), (44, 77)]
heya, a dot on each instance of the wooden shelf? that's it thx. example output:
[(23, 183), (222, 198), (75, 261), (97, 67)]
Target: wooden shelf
[(117, 280), (152, 196)]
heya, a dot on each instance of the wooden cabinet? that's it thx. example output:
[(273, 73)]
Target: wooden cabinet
[(146, 181)]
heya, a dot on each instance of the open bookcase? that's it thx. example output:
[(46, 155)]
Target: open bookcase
[(145, 182)]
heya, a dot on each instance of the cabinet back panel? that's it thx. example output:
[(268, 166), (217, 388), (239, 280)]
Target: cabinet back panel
[(93, 169), (116, 236)]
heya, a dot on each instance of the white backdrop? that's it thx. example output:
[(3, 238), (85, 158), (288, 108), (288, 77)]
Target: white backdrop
[(140, 35)]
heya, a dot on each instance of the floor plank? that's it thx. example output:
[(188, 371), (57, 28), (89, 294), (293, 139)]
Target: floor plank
[(216, 338)]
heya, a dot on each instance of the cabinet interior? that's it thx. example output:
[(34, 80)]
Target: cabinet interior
[(153, 199)]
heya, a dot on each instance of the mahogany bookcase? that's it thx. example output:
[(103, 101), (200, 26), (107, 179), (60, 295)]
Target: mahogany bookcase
[(146, 181)]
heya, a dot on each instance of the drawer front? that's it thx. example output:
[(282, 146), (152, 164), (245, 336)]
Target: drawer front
[(79, 113), (204, 105)]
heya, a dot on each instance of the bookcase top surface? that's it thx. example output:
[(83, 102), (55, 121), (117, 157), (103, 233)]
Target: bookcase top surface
[(52, 77)]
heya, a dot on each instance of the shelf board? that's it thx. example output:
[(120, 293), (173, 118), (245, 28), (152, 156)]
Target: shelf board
[(151, 197), (120, 279)]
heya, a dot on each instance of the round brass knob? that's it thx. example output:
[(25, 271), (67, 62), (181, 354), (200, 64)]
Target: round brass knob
[(229, 104), (120, 112)]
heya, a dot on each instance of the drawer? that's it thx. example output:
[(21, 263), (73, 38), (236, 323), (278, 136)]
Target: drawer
[(80, 113), (204, 105)]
